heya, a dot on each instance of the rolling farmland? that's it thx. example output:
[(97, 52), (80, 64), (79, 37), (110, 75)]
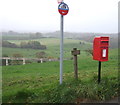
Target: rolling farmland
[(39, 82)]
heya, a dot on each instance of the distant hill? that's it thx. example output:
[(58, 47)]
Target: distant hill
[(11, 35), (78, 35), (86, 36), (57, 34)]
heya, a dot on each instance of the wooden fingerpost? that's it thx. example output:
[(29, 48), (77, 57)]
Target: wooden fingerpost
[(75, 52)]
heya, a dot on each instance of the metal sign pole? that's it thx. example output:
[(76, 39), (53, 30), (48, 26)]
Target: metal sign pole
[(63, 10), (61, 50)]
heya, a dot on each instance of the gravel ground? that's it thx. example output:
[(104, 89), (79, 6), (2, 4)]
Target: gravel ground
[(115, 100)]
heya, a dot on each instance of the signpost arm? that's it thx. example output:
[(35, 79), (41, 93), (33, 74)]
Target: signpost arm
[(61, 50), (99, 72)]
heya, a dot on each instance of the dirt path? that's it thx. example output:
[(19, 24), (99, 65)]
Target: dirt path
[(115, 100)]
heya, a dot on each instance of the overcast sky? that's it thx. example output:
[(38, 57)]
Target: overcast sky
[(42, 15)]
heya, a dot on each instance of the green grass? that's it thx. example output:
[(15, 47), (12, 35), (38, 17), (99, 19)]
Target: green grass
[(48, 41), (53, 46), (39, 83)]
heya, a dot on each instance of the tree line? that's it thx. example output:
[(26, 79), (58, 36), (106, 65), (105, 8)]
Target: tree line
[(11, 35), (29, 44)]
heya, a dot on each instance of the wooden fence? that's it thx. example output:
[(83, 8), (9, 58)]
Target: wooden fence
[(41, 60)]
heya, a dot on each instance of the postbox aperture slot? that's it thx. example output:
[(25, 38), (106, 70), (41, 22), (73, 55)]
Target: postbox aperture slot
[(104, 41)]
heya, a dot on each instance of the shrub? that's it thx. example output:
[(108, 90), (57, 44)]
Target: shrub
[(33, 45), (17, 55), (89, 51), (40, 54), (17, 62), (9, 44)]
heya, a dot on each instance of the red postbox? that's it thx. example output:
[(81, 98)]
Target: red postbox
[(100, 48)]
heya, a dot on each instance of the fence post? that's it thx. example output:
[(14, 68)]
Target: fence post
[(41, 60), (7, 62), (23, 61)]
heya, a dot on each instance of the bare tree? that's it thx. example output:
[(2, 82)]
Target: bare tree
[(40, 54), (89, 51)]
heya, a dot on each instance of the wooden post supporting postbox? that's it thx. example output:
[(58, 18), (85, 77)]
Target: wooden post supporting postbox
[(75, 52)]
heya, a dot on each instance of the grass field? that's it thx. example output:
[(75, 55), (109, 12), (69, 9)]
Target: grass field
[(52, 47), (39, 83)]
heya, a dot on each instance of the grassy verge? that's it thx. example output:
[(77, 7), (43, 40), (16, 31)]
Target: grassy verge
[(39, 83), (71, 91)]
